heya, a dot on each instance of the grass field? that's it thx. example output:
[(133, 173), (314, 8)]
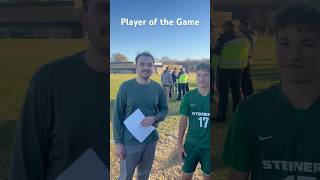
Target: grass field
[(21, 58)]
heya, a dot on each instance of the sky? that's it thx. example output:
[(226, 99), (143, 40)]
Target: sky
[(175, 42)]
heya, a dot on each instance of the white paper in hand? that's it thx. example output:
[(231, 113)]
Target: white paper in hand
[(136, 129), (88, 166)]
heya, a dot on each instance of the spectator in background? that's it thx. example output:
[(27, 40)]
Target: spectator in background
[(174, 87), (187, 84), (167, 82), (182, 81), (246, 82), (230, 56)]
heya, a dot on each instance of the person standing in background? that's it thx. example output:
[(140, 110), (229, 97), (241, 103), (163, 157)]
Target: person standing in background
[(167, 82), (182, 81), (229, 56), (187, 84), (246, 81), (174, 79)]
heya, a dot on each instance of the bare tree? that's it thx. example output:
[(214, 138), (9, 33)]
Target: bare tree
[(118, 57)]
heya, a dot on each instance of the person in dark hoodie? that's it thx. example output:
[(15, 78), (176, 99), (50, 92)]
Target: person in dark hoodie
[(66, 108)]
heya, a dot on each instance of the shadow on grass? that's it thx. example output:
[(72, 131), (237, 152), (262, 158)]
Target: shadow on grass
[(219, 131), (7, 129)]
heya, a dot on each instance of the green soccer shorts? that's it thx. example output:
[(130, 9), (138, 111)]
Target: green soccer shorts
[(195, 155)]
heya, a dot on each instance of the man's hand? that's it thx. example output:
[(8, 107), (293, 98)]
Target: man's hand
[(181, 153), (120, 151), (148, 121)]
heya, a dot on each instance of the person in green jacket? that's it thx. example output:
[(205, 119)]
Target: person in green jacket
[(148, 96), (275, 133), (66, 107)]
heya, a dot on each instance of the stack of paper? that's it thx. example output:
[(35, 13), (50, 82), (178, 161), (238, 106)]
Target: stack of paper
[(87, 167), (136, 129)]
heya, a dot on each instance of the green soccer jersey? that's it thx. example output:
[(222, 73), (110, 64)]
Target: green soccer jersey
[(273, 139), (197, 108)]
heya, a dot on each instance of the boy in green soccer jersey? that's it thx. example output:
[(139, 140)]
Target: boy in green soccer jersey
[(195, 111), (275, 134)]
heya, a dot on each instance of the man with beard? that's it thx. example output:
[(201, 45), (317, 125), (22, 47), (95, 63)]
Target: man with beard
[(148, 96), (275, 133), (65, 111)]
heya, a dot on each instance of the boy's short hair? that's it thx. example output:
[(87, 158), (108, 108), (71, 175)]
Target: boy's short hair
[(203, 67), (304, 16), (144, 54)]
